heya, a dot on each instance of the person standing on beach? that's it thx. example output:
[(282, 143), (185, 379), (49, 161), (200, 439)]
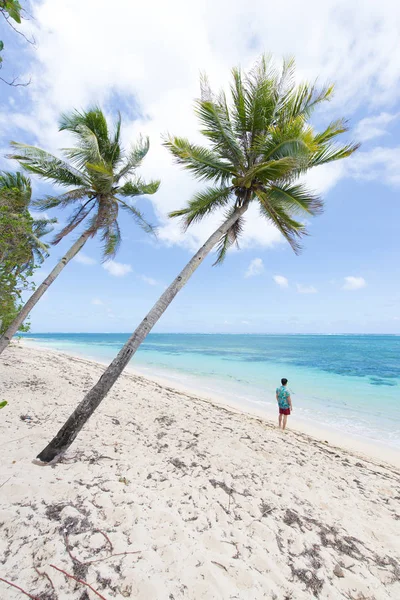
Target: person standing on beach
[(284, 402)]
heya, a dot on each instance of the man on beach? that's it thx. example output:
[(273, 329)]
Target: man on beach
[(284, 402)]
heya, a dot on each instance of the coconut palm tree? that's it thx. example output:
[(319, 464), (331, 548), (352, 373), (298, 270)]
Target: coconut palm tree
[(99, 177), (260, 143)]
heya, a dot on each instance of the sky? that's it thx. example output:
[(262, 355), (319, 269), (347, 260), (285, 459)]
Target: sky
[(144, 59)]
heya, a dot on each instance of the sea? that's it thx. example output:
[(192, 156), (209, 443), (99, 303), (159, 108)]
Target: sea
[(347, 383)]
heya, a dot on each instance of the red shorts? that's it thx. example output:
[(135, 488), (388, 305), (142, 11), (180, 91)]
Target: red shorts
[(284, 411)]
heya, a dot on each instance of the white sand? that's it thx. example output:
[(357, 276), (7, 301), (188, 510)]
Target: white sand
[(202, 501)]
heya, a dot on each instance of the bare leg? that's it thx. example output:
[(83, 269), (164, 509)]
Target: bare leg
[(284, 421), (280, 420)]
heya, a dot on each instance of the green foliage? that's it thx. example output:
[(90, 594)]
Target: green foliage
[(96, 172), (10, 9), (260, 142), (21, 248)]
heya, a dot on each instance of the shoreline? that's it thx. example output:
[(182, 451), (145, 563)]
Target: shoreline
[(366, 449)]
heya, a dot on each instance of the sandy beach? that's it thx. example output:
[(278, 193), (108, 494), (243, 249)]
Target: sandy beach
[(165, 495)]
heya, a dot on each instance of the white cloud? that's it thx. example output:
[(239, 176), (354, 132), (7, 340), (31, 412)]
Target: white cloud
[(148, 280), (373, 127), (246, 322), (380, 164), (83, 259), (306, 289), (117, 269), (354, 283), (157, 81), (97, 302), (281, 281), (256, 267)]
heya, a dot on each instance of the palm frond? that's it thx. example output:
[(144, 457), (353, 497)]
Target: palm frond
[(135, 157), (303, 100), (334, 129), (272, 170), (138, 217), (231, 237), (274, 212), (214, 117), (75, 219), (204, 163), (111, 239), (260, 96), (203, 203), (42, 227), (238, 110), (62, 200), (138, 187), (331, 152), (295, 199), (38, 161)]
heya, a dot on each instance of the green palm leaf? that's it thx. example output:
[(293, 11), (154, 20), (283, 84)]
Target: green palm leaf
[(138, 188), (138, 217), (204, 163), (230, 238), (279, 216), (203, 203), (40, 162), (135, 157)]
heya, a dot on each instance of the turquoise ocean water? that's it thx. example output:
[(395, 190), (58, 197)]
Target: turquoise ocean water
[(349, 383)]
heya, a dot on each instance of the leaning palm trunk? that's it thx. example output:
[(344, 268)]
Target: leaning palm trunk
[(26, 309), (93, 398)]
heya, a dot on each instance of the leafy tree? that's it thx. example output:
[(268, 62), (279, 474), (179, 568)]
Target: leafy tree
[(21, 248), (99, 177), (260, 142)]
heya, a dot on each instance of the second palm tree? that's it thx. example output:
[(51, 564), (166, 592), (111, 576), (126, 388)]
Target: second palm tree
[(98, 172)]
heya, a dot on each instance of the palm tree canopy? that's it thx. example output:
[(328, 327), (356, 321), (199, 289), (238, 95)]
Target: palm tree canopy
[(96, 172), (260, 142), (23, 231)]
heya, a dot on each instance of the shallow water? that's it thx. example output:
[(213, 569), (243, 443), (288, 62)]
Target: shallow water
[(349, 383)]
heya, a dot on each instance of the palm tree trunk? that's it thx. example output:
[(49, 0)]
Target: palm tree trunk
[(26, 309), (93, 398)]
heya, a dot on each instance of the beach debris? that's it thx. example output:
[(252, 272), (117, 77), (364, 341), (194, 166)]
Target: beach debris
[(78, 580), (26, 418), (124, 480), (3, 403), (20, 589), (219, 565), (338, 571)]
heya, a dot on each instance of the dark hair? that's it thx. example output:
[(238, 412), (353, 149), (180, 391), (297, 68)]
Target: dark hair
[(283, 381)]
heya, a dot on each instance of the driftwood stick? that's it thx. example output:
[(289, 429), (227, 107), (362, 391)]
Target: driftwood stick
[(66, 540), (111, 556), (104, 534), (21, 590), (44, 574), (78, 580)]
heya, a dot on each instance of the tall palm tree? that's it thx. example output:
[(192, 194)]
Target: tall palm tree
[(98, 175), (259, 144)]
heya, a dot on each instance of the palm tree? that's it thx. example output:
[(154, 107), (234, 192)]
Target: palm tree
[(259, 144), (97, 178)]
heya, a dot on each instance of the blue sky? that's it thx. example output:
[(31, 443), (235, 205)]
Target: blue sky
[(145, 61)]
